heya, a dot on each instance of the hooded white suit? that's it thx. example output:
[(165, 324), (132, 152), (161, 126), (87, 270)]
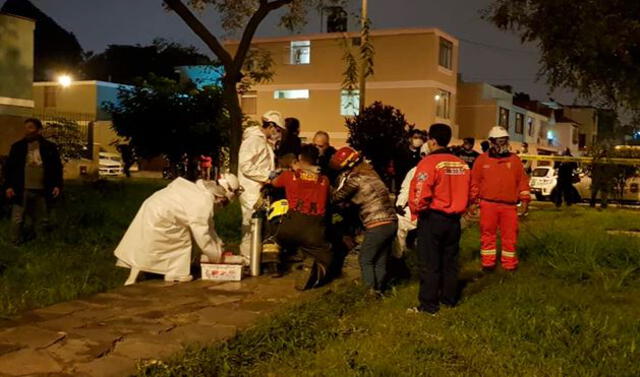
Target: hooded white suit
[(405, 223), (159, 239), (256, 161)]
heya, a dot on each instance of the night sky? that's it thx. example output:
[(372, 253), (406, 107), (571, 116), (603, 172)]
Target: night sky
[(487, 54)]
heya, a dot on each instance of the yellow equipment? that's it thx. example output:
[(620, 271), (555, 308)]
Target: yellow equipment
[(277, 209)]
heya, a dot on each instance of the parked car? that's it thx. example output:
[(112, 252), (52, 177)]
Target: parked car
[(543, 180), (631, 192), (110, 164)]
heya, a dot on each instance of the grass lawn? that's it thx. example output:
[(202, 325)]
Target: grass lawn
[(76, 259), (573, 309)]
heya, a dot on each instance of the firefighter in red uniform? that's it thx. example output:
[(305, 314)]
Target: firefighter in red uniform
[(498, 183), (439, 196), (307, 192)]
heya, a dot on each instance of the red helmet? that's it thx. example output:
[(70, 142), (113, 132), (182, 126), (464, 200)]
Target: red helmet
[(344, 158)]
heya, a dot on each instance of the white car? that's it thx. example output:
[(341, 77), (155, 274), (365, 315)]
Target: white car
[(543, 180), (110, 164), (631, 189)]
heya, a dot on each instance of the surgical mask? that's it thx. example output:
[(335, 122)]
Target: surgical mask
[(417, 143), (424, 149)]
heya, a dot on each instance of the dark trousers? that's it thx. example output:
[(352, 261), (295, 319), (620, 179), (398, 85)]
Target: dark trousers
[(564, 189), (374, 254), (306, 233), (438, 250), (33, 207)]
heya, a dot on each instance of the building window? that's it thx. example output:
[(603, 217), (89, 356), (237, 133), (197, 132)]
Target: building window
[(504, 118), (443, 104), (300, 52), (519, 123), (291, 94), (530, 125), (50, 96), (249, 103), (446, 54), (349, 103), (574, 135)]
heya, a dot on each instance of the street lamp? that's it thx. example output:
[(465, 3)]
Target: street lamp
[(437, 97), (64, 80)]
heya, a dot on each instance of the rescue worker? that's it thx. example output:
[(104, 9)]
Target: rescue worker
[(498, 183), (438, 197), (256, 162), (359, 184), (303, 228), (159, 239)]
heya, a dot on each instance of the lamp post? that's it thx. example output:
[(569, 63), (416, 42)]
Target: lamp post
[(65, 80), (364, 36)]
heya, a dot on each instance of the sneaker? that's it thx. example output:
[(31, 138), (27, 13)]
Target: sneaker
[(420, 310)]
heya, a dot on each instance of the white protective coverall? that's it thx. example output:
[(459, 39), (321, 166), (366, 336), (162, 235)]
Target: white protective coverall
[(405, 224), (159, 240), (256, 161)]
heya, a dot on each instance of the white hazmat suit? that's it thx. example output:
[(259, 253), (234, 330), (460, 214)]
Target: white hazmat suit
[(159, 240), (405, 223), (256, 161)]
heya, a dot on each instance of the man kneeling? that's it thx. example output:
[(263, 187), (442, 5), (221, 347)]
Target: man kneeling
[(159, 240), (303, 227)]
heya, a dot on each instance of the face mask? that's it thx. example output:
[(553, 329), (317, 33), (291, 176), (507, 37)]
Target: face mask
[(417, 143), (275, 136), (425, 150)]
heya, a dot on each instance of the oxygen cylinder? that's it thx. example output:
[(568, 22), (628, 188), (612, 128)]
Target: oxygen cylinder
[(256, 244)]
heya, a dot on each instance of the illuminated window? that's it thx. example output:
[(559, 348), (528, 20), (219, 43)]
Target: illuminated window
[(519, 123), (300, 52), (291, 94), (443, 104), (446, 54), (504, 118), (349, 103)]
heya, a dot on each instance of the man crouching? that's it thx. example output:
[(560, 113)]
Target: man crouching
[(159, 239), (303, 228)]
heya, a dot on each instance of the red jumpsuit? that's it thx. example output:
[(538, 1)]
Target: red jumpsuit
[(498, 183)]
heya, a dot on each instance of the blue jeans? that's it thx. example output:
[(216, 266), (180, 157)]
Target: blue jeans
[(374, 254)]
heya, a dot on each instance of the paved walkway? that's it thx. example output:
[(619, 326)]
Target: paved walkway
[(108, 334)]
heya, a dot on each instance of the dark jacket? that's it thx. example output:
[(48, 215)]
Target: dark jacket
[(364, 188), (405, 160), (291, 144), (323, 162), (16, 167)]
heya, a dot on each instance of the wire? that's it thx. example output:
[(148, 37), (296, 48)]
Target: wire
[(500, 48)]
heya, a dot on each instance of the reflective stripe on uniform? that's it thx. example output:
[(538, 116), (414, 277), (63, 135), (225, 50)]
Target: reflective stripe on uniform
[(488, 252), (509, 254)]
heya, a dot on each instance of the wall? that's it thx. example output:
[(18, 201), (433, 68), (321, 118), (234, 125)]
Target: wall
[(477, 110), (407, 76), (587, 117), (78, 98), (16, 61)]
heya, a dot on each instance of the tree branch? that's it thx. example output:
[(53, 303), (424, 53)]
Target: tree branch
[(207, 37), (247, 36)]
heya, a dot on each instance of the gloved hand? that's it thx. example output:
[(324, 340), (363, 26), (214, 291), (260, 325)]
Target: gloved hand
[(273, 175), (400, 210), (336, 218)]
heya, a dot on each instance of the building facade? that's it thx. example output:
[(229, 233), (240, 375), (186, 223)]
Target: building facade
[(16, 77), (415, 71)]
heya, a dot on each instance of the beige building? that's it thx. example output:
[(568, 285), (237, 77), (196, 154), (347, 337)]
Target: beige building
[(16, 77), (415, 70), (587, 118)]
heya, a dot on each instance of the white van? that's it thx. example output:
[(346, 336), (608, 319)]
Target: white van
[(543, 180)]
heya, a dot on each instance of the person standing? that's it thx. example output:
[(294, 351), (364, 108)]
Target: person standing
[(409, 155), (256, 162), (498, 183), (34, 179), (303, 227), (322, 142), (291, 142), (128, 159), (206, 164), (438, 196), (564, 188), (359, 184), (466, 152)]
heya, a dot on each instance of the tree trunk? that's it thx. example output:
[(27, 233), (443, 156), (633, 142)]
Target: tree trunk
[(235, 117)]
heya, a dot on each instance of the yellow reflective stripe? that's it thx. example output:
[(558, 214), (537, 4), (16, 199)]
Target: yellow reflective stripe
[(487, 252), (509, 254)]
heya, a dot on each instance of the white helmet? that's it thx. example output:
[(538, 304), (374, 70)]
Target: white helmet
[(274, 117), (498, 132), (231, 185)]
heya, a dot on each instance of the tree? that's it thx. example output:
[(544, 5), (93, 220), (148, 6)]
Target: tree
[(166, 118), (376, 132), (592, 47), (128, 64), (66, 134), (242, 16)]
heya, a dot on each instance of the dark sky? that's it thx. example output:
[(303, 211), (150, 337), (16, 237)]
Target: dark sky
[(487, 54)]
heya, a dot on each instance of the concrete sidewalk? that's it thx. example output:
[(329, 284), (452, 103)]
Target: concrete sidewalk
[(108, 334)]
